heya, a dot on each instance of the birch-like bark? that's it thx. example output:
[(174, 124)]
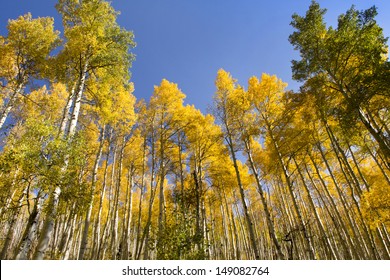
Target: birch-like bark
[(138, 231), (249, 222), (323, 236), (114, 232), (66, 115), (96, 238), (76, 103), (87, 221), (270, 224), (126, 232), (10, 104), (48, 226), (12, 226), (30, 232)]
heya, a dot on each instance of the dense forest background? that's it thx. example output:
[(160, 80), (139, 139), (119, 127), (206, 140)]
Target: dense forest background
[(89, 172)]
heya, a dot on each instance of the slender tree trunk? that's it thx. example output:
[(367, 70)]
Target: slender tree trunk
[(76, 103), (66, 112), (357, 166), (87, 221), (115, 225), (378, 164), (30, 231), (384, 143), (244, 238), (226, 243), (110, 229), (181, 176), (138, 232), (10, 104), (308, 243), (229, 229), (161, 208), (128, 215), (353, 245), (12, 226), (236, 241), (67, 228), (145, 234), (331, 216), (96, 238), (252, 236), (324, 237), (199, 233), (367, 241), (48, 226), (270, 224)]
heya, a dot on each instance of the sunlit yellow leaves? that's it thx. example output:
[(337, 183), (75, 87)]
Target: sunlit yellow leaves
[(232, 105), (8, 66), (231, 93), (133, 152), (167, 97), (112, 102), (85, 22), (203, 136), (376, 206), (94, 41), (44, 102), (24, 56), (31, 40), (267, 95), (224, 82)]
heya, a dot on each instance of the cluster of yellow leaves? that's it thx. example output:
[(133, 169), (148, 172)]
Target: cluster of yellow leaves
[(45, 103), (266, 95), (30, 41), (376, 206)]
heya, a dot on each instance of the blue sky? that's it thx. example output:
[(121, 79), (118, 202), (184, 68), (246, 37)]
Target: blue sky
[(187, 41)]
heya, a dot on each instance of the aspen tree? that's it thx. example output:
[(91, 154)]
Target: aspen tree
[(227, 100), (24, 55), (351, 60), (93, 41)]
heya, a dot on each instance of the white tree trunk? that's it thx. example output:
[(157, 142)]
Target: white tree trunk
[(10, 104), (48, 226), (30, 233), (76, 103), (84, 239)]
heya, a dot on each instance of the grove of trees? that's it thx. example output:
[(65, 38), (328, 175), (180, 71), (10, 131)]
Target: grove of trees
[(89, 172)]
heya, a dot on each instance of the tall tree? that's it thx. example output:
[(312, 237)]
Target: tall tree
[(94, 41), (228, 99), (349, 61), (24, 55)]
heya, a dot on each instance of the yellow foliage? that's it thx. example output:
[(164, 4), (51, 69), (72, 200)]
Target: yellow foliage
[(376, 205), (167, 97), (267, 95), (43, 102), (31, 41)]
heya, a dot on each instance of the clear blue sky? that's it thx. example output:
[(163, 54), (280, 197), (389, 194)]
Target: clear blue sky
[(187, 41)]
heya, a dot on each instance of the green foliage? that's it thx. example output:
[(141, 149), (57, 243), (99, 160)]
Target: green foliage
[(93, 37), (177, 241), (348, 64)]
